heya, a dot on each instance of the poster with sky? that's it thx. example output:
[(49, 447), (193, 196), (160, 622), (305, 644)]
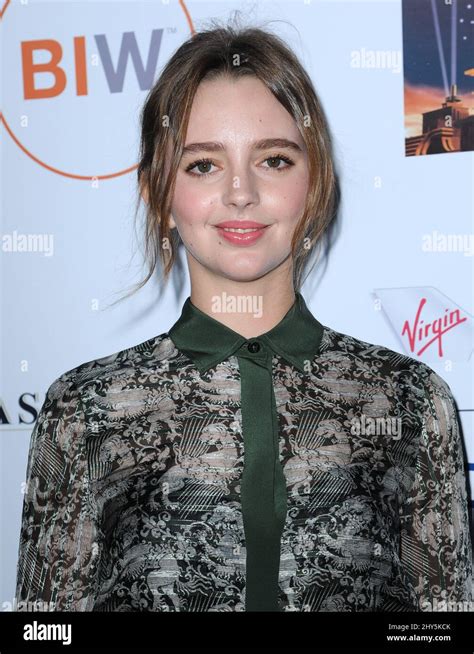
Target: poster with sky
[(438, 54)]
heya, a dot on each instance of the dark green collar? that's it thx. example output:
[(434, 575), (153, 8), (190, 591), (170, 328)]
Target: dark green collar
[(207, 341)]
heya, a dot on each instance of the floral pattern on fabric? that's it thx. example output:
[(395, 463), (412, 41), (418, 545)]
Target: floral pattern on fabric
[(134, 469)]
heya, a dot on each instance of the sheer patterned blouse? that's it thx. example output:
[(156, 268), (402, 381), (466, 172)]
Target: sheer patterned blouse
[(300, 470)]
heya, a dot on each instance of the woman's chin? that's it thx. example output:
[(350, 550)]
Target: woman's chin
[(235, 275)]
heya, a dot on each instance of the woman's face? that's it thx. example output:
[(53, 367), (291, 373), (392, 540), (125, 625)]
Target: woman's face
[(240, 179)]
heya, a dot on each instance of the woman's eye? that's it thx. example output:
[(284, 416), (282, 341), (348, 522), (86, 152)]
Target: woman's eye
[(278, 158), (204, 165)]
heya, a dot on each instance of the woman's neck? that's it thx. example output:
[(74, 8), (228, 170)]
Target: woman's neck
[(246, 310)]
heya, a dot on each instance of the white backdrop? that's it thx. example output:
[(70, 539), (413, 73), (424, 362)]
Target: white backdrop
[(82, 249)]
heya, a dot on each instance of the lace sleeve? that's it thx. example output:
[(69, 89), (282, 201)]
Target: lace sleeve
[(59, 537), (436, 549)]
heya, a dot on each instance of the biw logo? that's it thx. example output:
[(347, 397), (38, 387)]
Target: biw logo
[(77, 75)]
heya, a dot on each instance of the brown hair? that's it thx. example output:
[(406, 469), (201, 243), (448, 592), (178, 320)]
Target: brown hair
[(233, 51)]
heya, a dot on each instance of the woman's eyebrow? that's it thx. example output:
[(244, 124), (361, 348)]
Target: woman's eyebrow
[(263, 144)]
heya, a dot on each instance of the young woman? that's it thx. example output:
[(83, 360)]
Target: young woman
[(251, 458)]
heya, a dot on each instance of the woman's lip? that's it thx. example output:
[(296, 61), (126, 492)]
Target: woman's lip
[(241, 224), (247, 238), (261, 227)]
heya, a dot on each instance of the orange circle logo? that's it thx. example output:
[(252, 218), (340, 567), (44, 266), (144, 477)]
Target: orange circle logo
[(114, 72)]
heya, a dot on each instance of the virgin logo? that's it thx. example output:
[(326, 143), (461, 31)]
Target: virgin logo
[(421, 335)]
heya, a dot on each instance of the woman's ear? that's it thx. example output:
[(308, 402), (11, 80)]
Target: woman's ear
[(144, 194)]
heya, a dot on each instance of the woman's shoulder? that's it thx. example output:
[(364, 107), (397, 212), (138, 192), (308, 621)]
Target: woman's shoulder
[(155, 351), (362, 355)]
